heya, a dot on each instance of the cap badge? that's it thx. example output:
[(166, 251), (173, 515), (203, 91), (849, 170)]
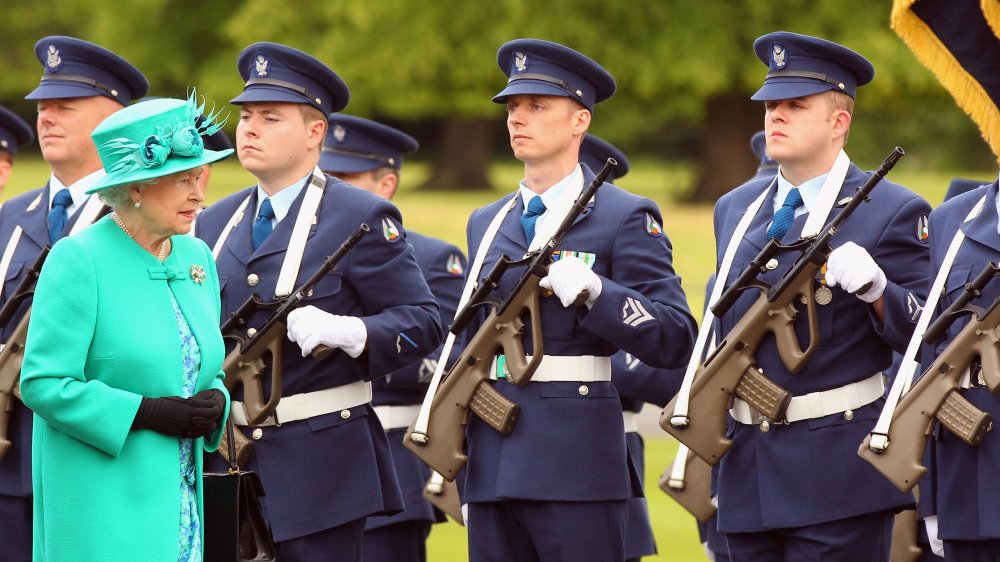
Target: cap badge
[(52, 60), (4, 143), (261, 63), (778, 54), (520, 61), (339, 133)]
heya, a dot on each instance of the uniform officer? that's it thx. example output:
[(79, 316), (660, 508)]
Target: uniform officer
[(369, 155), (963, 495), (635, 390), (82, 84), (798, 490), (14, 132), (556, 488), (323, 458)]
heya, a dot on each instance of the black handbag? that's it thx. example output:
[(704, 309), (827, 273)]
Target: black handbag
[(235, 530)]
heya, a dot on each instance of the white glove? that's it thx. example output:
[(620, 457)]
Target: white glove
[(937, 545), (465, 514), (569, 277), (309, 326), (851, 266)]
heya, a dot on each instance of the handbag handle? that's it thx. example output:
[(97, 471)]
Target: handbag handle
[(234, 468)]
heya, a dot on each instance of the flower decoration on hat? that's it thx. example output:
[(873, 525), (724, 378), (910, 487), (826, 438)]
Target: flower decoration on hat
[(183, 138)]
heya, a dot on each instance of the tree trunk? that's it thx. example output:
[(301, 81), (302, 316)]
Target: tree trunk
[(463, 156), (725, 159)]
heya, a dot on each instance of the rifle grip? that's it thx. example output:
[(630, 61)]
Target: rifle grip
[(782, 325), (510, 330), (320, 352)]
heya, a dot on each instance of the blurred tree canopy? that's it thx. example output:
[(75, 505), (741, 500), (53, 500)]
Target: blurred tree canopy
[(685, 69)]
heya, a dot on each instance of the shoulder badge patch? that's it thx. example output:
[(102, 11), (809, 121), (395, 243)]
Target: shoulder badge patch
[(586, 257), (652, 227), (389, 230), (454, 265), (922, 231)]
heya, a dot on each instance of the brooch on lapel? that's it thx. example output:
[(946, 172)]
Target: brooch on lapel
[(198, 274)]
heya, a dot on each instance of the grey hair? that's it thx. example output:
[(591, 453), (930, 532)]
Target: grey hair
[(117, 196)]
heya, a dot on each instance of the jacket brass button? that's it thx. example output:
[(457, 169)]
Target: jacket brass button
[(765, 426), (849, 415), (252, 279), (583, 390), (257, 433), (345, 414)]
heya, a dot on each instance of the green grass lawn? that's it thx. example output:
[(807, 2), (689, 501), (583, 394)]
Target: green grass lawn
[(444, 215)]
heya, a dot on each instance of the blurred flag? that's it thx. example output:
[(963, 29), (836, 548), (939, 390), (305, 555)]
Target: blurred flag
[(959, 41)]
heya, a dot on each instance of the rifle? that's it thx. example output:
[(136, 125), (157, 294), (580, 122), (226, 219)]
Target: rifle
[(245, 362), (463, 387), (12, 354), (694, 491), (731, 368), (936, 396)]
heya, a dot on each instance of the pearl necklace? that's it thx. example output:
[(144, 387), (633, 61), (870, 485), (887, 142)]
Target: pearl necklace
[(161, 255)]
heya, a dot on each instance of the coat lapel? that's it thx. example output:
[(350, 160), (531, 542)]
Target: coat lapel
[(240, 241), (35, 221), (511, 227), (983, 228)]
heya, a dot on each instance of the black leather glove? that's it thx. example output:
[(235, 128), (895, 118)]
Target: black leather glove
[(190, 418)]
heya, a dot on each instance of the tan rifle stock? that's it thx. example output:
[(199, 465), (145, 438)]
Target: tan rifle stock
[(694, 492), (245, 363), (731, 369), (936, 395), (12, 355), (465, 386)]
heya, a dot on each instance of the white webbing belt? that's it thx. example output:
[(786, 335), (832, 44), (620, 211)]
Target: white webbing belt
[(91, 208), (310, 404), (8, 252), (300, 233), (631, 421), (565, 368), (820, 404), (233, 220), (420, 426), (908, 368), (396, 417)]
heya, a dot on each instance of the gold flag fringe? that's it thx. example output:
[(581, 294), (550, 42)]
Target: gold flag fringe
[(967, 91), (991, 9)]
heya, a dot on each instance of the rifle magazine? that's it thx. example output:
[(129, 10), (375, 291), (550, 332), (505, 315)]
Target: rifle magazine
[(763, 395), (964, 419), (494, 408)]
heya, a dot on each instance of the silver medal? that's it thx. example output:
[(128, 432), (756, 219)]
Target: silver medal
[(823, 295)]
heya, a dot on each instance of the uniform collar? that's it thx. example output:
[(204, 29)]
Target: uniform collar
[(78, 190), (283, 199), (554, 194), (809, 190)]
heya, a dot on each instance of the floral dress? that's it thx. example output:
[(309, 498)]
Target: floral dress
[(190, 549)]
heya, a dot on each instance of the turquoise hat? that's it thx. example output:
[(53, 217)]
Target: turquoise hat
[(152, 139)]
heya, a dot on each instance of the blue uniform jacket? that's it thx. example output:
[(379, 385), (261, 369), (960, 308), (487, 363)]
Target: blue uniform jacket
[(15, 467), (809, 472), (967, 496), (330, 469), (563, 427), (443, 266)]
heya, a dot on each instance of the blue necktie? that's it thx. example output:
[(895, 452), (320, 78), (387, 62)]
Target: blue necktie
[(58, 214), (785, 216), (535, 209), (262, 228)]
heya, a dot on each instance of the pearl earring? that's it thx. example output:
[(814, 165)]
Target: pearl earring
[(138, 204)]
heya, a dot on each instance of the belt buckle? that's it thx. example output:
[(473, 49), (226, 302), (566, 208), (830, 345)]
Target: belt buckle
[(758, 419)]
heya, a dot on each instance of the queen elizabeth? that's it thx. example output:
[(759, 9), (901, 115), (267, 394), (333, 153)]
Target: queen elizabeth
[(122, 366)]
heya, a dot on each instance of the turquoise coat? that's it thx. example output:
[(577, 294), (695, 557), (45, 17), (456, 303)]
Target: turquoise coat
[(103, 335)]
